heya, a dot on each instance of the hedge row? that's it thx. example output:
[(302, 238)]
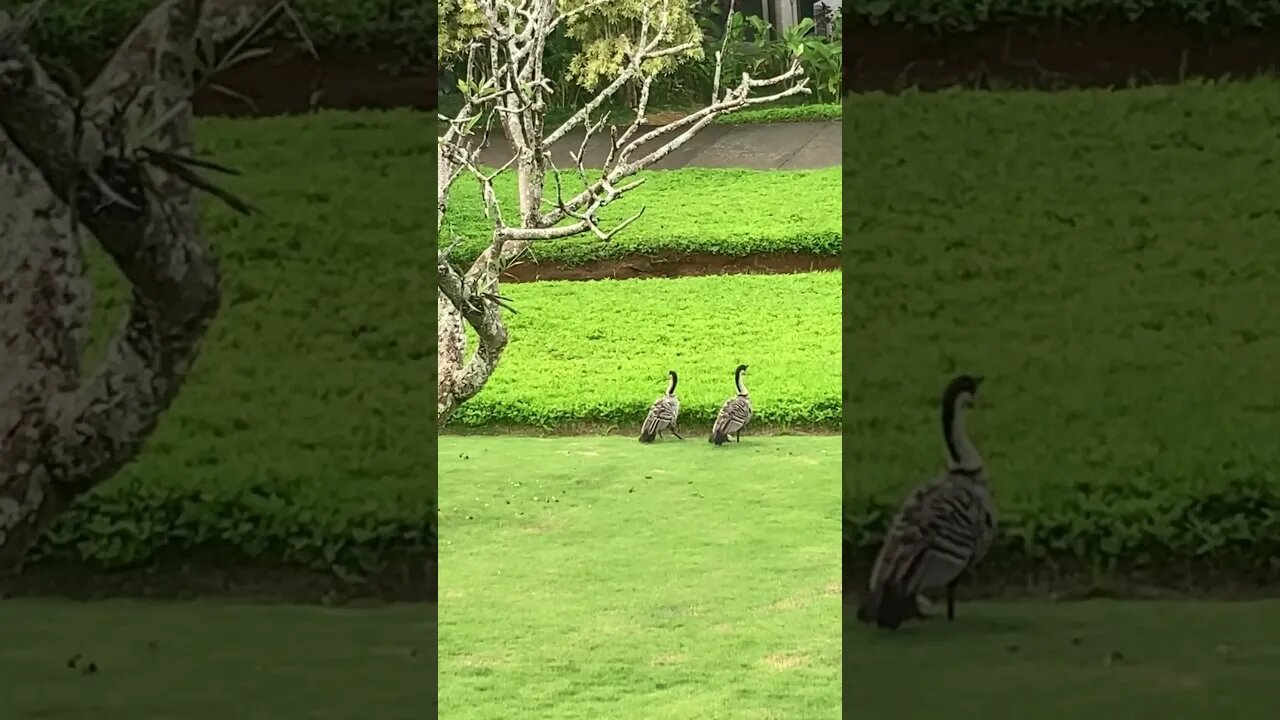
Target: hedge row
[(723, 212), (354, 532), (598, 352), (1161, 531), (966, 15)]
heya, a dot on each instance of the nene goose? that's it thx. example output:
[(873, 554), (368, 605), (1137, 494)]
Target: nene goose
[(735, 413), (663, 414), (943, 529)]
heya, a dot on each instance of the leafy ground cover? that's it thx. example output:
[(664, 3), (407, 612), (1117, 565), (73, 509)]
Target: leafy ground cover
[(1103, 660), (1105, 259), (214, 660), (719, 211), (598, 352), (612, 579)]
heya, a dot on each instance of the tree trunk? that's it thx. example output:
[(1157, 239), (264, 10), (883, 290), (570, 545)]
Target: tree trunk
[(63, 429)]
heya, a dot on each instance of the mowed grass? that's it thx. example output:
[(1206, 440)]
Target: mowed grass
[(599, 352), (213, 660), (1106, 259), (599, 578), (1103, 660)]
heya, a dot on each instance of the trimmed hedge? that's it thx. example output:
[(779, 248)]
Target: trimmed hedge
[(598, 352), (723, 212), (1164, 531), (352, 530), (965, 15), (1107, 260)]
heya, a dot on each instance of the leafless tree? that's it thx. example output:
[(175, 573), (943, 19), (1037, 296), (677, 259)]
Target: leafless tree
[(114, 159), (506, 84)]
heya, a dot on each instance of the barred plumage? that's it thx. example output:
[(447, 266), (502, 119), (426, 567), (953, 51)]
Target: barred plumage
[(943, 529), (663, 414), (735, 413)]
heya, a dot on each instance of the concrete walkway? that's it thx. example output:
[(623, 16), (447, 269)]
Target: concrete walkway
[(776, 146)]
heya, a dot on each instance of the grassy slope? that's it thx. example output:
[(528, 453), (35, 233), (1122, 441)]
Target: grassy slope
[(209, 661), (611, 579), (1106, 259), (599, 351), (719, 211), (1178, 660)]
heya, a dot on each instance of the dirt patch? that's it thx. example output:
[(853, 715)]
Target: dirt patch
[(673, 265), (406, 583), (289, 82), (595, 429), (1118, 54), (1063, 586)]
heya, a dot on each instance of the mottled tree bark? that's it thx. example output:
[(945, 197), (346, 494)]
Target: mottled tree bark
[(65, 428)]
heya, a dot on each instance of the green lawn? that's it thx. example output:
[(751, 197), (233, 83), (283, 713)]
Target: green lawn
[(214, 660), (1099, 660), (599, 352), (600, 578)]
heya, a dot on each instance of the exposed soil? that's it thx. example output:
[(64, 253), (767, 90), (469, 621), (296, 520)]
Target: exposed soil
[(1087, 584), (1119, 54), (672, 265), (417, 583), (289, 82), (689, 430)]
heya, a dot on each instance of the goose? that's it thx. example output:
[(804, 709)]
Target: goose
[(735, 413), (943, 530), (663, 414)]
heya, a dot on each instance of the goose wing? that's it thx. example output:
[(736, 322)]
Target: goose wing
[(943, 528), (662, 415), (733, 415)]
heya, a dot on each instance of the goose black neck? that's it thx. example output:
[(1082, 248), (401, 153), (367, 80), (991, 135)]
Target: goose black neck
[(737, 381), (671, 384), (948, 422)]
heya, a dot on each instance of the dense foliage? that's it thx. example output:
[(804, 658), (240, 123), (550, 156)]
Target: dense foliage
[(1108, 261), (725, 212), (598, 352)]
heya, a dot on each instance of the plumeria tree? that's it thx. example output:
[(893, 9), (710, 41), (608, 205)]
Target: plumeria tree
[(112, 162), (625, 43)]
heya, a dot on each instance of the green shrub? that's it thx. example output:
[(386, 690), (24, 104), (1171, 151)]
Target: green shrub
[(1107, 261), (352, 528), (964, 15), (1164, 531), (598, 352), (724, 212)]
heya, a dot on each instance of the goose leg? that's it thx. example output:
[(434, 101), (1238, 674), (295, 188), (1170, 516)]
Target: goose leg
[(673, 432), (951, 600)]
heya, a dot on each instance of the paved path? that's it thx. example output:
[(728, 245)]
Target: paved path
[(776, 146)]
